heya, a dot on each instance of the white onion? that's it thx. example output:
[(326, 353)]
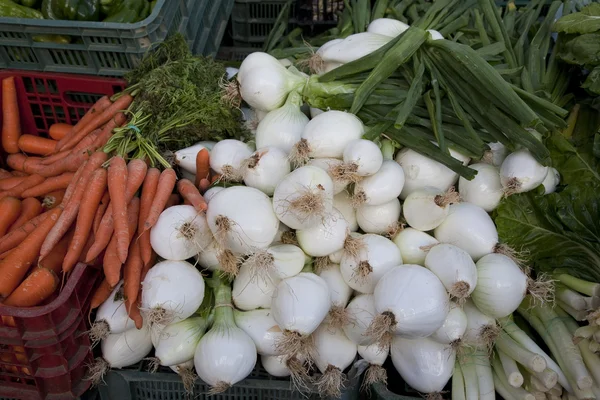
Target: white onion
[(520, 172), (266, 168), (379, 219), (426, 208), (242, 219), (339, 291), (387, 26), (180, 233), (496, 154), (376, 256), (352, 47), (209, 257), (454, 267), (364, 155), (305, 185), (210, 193), (413, 299), (176, 343), (227, 158), (127, 348), (325, 237), (275, 366), (414, 245), (551, 181), (435, 35), (172, 291), (111, 316), (454, 326), (262, 328), (361, 311), (343, 203), (251, 291), (470, 228), (328, 134), (481, 329), (485, 190), (381, 187), (374, 354), (336, 257), (329, 165), (186, 158)]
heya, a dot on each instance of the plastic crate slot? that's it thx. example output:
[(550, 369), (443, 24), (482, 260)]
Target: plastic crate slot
[(82, 97), (105, 40), (112, 60), (21, 55), (68, 57)]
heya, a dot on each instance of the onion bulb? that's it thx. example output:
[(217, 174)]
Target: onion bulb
[(381, 219), (454, 326), (265, 168), (381, 187), (227, 158), (485, 190), (387, 26), (326, 237), (262, 328), (360, 311), (111, 316), (426, 208), (520, 172), (455, 269), (414, 245)]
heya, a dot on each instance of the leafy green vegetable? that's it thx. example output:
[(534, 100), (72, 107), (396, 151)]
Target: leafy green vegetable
[(560, 230), (586, 21), (592, 82), (581, 49)]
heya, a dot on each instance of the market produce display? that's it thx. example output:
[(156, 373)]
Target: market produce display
[(420, 184)]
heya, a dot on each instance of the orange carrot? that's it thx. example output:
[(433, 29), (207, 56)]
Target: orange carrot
[(36, 288), (102, 104), (12, 239), (9, 183), (4, 174), (36, 145), (136, 315), (85, 217), (202, 166), (50, 185), (117, 176), (122, 103), (16, 161), (147, 266), (136, 171), (100, 295), (174, 200), (11, 124), (72, 186), (148, 193), (204, 185), (19, 173), (166, 183), (14, 267), (72, 207), (132, 271), (100, 211), (28, 183), (106, 132), (54, 260), (53, 199), (86, 248), (189, 192), (59, 130), (112, 268), (10, 208), (30, 208)]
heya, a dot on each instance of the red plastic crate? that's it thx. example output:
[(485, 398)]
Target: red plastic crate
[(44, 350)]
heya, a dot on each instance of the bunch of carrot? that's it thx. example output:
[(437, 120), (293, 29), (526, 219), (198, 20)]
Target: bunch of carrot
[(99, 207)]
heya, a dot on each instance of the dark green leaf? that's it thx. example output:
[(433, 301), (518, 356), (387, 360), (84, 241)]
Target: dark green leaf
[(592, 82), (586, 21), (581, 50)]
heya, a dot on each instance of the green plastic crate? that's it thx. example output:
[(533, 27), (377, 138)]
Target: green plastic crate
[(111, 49), (139, 385)]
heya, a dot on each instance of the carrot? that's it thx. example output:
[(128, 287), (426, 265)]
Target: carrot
[(54, 260), (19, 173), (112, 268), (86, 248), (50, 185), (122, 103), (136, 315), (59, 130), (10, 208), (16, 161), (100, 211), (148, 193), (189, 192), (204, 185), (136, 171), (100, 295), (147, 266), (9, 183), (53, 199), (132, 271), (14, 267), (202, 166), (72, 207), (106, 132), (117, 174), (4, 174), (12, 239), (71, 188), (30, 208), (166, 183), (36, 288), (36, 145), (102, 104), (27, 183), (89, 203), (11, 124), (174, 200)]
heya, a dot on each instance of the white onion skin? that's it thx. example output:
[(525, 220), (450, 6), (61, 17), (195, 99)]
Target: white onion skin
[(413, 244), (249, 230), (421, 171), (365, 154), (522, 166), (416, 298), (210, 193), (272, 166), (499, 153), (325, 237), (207, 258), (293, 186), (423, 363), (176, 343), (551, 181), (186, 158), (175, 286), (127, 348), (326, 164), (114, 312), (343, 203), (381, 254), (485, 190), (387, 26), (476, 321), (167, 235), (421, 211), (452, 264), (352, 47), (383, 186), (281, 128), (288, 260), (333, 348), (378, 219), (329, 133), (361, 311), (262, 329), (253, 60), (275, 366), (300, 303), (229, 152), (470, 228), (374, 354), (250, 291), (339, 291), (503, 285), (454, 326)]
